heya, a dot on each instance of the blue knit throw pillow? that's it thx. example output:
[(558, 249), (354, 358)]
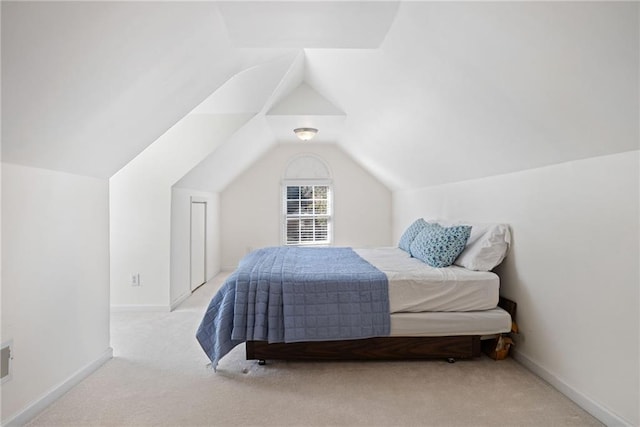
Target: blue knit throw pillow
[(439, 246), (410, 233)]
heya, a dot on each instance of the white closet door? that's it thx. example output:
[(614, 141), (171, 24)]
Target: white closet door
[(198, 244)]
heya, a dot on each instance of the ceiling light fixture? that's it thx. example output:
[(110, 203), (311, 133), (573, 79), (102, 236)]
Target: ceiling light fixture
[(305, 134)]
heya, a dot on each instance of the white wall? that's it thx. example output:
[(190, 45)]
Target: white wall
[(55, 281), (251, 205), (572, 269), (140, 207), (181, 239)]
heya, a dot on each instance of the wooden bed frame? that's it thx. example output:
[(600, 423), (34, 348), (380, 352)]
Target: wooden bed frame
[(379, 348)]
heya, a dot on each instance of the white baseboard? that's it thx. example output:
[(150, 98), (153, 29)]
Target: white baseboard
[(594, 408), (180, 300), (141, 307), (56, 392)]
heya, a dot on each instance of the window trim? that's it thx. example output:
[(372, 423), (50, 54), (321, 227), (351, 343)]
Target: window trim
[(283, 209)]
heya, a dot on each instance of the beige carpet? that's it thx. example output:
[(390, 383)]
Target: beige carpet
[(159, 376)]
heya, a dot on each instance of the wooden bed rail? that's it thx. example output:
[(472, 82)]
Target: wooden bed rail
[(380, 348)]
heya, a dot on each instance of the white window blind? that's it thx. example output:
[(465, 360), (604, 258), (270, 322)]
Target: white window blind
[(307, 214)]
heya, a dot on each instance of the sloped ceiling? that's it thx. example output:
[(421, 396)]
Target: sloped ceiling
[(432, 92), (275, 78), (86, 86), (464, 90), (308, 24)]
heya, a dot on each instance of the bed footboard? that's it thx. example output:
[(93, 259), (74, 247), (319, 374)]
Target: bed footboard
[(380, 348)]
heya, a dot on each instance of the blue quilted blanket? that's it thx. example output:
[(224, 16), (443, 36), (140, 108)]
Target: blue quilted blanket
[(291, 294)]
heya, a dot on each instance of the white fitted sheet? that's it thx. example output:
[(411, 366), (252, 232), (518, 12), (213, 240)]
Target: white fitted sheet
[(416, 287), (442, 324)]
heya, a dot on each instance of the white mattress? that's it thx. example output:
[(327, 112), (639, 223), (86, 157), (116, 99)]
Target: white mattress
[(416, 287), (442, 324)]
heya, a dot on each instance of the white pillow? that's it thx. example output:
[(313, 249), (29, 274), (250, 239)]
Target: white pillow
[(487, 245)]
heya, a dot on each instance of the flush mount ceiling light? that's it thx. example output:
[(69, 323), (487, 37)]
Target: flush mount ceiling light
[(305, 134)]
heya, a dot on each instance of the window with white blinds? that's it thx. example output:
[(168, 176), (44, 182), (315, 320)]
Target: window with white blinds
[(307, 214)]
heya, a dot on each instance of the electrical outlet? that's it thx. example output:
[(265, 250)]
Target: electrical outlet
[(517, 338), (6, 356), (134, 279)]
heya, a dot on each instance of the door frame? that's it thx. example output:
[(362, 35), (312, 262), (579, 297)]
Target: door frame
[(200, 201)]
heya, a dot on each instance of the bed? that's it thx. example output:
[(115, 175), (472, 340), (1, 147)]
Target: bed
[(368, 303)]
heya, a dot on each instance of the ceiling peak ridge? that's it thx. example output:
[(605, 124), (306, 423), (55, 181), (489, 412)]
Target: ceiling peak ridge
[(291, 78), (304, 107), (305, 100)]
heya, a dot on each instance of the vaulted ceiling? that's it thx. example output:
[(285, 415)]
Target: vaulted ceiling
[(418, 93)]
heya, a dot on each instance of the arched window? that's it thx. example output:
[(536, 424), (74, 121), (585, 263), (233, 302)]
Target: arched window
[(307, 208)]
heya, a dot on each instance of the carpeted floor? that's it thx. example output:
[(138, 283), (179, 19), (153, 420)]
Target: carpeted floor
[(159, 376)]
